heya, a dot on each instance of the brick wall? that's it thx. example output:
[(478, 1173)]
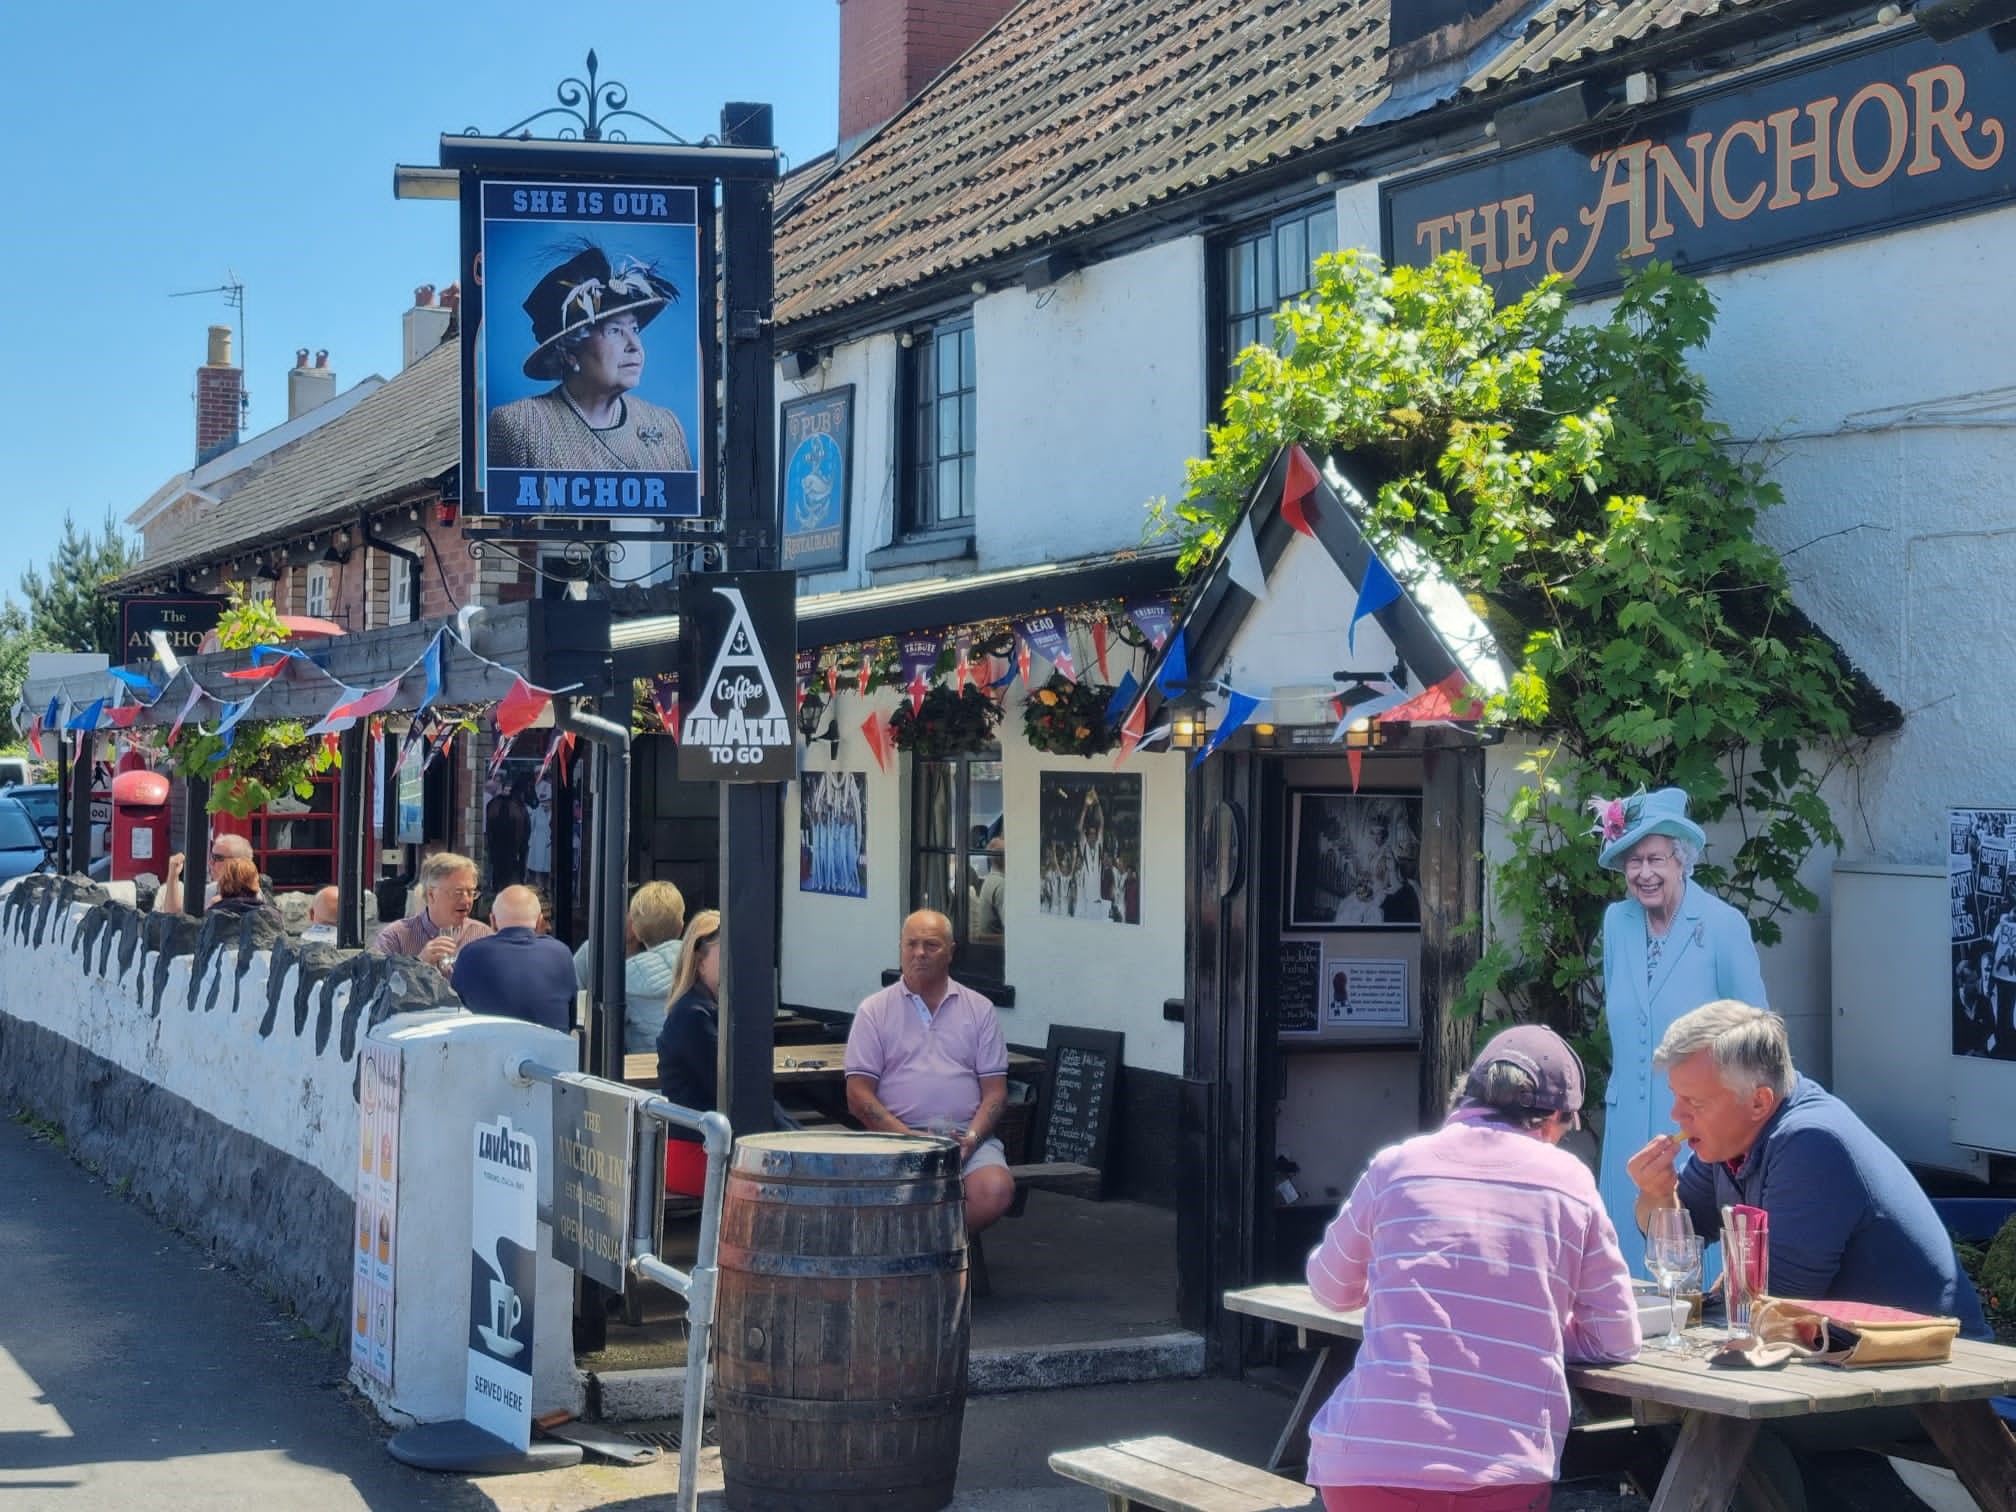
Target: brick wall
[(217, 409), (890, 49)]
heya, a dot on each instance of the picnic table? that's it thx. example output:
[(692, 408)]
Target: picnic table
[(1718, 1411), (794, 1065)]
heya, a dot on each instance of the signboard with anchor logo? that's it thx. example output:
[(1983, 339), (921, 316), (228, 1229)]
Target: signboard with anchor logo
[(738, 633)]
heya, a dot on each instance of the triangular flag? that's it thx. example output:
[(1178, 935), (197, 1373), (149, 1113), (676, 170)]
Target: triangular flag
[(1377, 591), (260, 653), (1298, 493), (52, 717), (665, 699), (832, 679), (413, 740), (1131, 732), (1122, 696), (917, 687), (1172, 678), (866, 667), (1242, 560), (139, 682), (256, 674), (1392, 698), (335, 722), (871, 729), (122, 718), (188, 707), (962, 665), (521, 706), (35, 737), (1099, 633), (430, 663), (1239, 708), (87, 718), (381, 697), (1022, 659), (233, 712), (1356, 761), (1448, 700), (503, 752), (552, 747), (164, 653)]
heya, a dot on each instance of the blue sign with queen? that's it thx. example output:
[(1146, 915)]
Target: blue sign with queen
[(584, 414)]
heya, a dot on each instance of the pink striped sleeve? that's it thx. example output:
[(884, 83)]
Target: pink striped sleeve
[(1604, 1325), (1337, 1267)]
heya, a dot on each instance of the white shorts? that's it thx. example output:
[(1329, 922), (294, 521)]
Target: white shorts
[(986, 1153)]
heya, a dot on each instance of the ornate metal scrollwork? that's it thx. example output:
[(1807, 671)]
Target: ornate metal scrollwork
[(605, 102), (579, 560)]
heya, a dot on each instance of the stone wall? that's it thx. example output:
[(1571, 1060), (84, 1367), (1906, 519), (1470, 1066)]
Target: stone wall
[(210, 1065)]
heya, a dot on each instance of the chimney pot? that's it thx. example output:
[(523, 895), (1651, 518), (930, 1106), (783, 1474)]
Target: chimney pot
[(220, 346), (423, 296), (322, 357), (300, 357), (451, 297)]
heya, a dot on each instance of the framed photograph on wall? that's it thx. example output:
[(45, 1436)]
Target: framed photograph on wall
[(1354, 861), (1983, 900), (815, 461)]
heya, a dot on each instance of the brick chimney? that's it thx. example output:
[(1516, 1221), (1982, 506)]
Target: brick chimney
[(220, 395), (425, 325), (890, 49), (309, 386)]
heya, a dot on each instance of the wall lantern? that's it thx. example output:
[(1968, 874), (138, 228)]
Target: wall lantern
[(444, 511), (1189, 722), (1264, 737), (1364, 734)]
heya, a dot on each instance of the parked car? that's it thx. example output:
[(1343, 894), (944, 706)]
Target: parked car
[(42, 800), (15, 771), (21, 847)]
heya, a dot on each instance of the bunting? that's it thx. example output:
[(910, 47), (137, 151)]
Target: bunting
[(188, 707), (871, 730), (1045, 632), (87, 717), (1172, 678), (35, 737), (1132, 732), (430, 663), (1378, 589), (164, 653), (1239, 708), (1448, 700), (665, 699), (1123, 695), (521, 707), (916, 657), (1099, 639), (1153, 620), (1298, 492), (1242, 560), (1355, 759)]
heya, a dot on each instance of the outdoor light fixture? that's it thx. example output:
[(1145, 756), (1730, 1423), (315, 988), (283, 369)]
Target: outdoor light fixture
[(409, 182), (265, 569), (1047, 270), (1189, 722), (978, 286), (801, 363), (1545, 115), (444, 511), (1263, 736), (1364, 735)]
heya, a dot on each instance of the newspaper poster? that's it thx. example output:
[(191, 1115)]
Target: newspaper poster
[(1982, 900)]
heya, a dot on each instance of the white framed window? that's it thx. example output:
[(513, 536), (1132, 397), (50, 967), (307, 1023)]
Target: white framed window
[(260, 591), (399, 589), (320, 581)]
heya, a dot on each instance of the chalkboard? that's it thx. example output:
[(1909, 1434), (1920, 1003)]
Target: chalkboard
[(1295, 1003), (1079, 1095)]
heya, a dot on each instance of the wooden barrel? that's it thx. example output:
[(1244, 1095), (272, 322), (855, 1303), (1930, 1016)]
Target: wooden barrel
[(841, 1323)]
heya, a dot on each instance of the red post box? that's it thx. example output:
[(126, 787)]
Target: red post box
[(139, 825)]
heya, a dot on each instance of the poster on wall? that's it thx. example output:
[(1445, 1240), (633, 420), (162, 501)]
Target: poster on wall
[(1354, 861), (1091, 846), (1297, 1009), (833, 834), (503, 1248), (377, 1211), (1983, 903), (815, 447), (1360, 992), (589, 369)]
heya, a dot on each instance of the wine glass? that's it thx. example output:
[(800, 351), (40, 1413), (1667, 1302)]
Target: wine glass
[(1673, 1255)]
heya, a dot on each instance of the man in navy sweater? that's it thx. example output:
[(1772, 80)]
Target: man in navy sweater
[(518, 972)]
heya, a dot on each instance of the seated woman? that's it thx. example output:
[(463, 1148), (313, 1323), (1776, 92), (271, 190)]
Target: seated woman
[(687, 1053), (238, 889)]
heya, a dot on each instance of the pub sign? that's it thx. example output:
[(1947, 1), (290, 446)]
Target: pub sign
[(738, 638), (185, 620), (1844, 146)]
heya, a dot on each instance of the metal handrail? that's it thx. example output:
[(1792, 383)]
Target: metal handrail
[(696, 1286)]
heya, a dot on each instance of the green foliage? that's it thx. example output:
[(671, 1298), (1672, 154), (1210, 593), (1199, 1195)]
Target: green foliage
[(1571, 482), (18, 639), (69, 608), (1068, 718), (1992, 1269), (266, 758), (947, 723)]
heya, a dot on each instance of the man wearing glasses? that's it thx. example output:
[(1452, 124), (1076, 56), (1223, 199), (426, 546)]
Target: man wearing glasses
[(443, 926), (222, 848)]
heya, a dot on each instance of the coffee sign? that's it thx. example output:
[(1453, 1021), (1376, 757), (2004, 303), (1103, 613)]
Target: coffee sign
[(738, 637), (1846, 146), (503, 1254)]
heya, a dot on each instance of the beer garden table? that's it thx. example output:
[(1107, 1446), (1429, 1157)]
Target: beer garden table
[(1719, 1411), (794, 1065)]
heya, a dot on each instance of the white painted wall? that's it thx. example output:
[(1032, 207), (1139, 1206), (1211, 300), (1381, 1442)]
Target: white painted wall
[(1064, 971)]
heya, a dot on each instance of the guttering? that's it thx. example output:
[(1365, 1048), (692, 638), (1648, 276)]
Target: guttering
[(606, 902)]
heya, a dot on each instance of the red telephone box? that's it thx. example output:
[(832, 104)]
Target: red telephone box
[(139, 825)]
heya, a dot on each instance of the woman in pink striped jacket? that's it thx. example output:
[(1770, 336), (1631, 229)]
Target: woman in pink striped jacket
[(1484, 1261)]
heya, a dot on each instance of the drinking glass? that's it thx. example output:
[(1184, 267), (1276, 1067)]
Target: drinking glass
[(1673, 1255)]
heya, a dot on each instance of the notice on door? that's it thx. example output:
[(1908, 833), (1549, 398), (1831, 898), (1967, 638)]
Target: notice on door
[(1357, 991)]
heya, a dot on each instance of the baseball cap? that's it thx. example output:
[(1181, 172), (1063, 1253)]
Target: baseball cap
[(1543, 1055)]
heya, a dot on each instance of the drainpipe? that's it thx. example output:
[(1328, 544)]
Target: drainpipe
[(370, 537), (606, 901)]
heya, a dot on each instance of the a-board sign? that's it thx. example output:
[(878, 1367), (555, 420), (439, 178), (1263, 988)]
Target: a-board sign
[(378, 1071), (1084, 1078), (503, 1249), (1295, 986), (738, 639), (592, 1145)]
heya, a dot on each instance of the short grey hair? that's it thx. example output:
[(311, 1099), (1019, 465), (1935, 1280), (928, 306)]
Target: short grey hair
[(1506, 1095), (1749, 1045), (1686, 852), (438, 868)]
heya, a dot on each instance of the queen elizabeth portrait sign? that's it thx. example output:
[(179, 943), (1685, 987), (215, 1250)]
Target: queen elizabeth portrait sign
[(588, 351)]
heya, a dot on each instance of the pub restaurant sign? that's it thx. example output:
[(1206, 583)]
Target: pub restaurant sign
[(1844, 146)]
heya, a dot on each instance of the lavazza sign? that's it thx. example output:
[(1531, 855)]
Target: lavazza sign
[(1831, 149)]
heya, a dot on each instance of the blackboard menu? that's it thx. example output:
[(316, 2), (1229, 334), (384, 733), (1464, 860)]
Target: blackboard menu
[(1084, 1076), (1295, 986)]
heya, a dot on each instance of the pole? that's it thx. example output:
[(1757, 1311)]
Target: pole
[(751, 813), (195, 844), (79, 859), (353, 820), (60, 856)]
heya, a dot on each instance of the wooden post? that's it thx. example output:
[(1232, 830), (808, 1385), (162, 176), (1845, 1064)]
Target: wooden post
[(353, 820), (1452, 900)]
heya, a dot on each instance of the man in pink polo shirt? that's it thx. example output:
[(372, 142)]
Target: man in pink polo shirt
[(927, 1056), (1484, 1260)]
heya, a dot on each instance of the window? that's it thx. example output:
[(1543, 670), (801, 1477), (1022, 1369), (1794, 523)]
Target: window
[(260, 591), (958, 858), (399, 589), (938, 421), (1261, 268), (318, 592)]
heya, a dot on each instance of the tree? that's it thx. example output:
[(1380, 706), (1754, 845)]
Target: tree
[(1571, 481), (69, 607), (17, 639)]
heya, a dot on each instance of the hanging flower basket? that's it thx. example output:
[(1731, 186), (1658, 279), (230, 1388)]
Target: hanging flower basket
[(949, 723), (1068, 718)]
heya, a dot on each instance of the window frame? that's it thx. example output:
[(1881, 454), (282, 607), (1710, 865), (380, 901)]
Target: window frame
[(919, 499), (980, 965), (1264, 231), (319, 578)]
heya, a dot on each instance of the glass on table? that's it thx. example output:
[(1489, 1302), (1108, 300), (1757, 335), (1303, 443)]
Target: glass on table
[(1673, 1255)]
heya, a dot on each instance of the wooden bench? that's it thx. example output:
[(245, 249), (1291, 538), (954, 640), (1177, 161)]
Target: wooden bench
[(1169, 1474)]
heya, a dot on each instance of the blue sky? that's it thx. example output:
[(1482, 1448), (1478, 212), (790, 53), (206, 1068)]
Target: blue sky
[(158, 145)]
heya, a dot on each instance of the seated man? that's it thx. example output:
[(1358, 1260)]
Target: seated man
[(222, 848), (518, 972), (1848, 1221), (1489, 1262), (322, 910), (927, 1056), (443, 926)]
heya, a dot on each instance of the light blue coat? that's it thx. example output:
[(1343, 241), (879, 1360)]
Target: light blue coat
[(1708, 955)]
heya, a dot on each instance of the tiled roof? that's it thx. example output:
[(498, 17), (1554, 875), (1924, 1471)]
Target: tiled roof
[(1075, 112), (399, 436)]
